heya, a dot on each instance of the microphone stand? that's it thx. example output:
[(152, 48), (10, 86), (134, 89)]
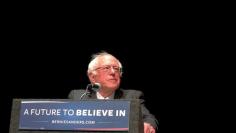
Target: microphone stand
[(86, 91)]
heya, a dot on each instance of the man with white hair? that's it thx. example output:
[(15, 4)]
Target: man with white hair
[(106, 70)]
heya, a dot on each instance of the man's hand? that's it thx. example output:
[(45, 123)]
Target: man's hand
[(148, 128)]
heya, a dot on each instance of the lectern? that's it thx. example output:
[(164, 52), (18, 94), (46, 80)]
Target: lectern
[(135, 122)]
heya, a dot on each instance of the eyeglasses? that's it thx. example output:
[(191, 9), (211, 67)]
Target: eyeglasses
[(108, 68)]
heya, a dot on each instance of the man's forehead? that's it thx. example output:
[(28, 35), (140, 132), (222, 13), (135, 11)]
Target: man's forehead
[(107, 59)]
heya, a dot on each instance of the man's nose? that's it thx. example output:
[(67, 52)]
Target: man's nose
[(113, 70)]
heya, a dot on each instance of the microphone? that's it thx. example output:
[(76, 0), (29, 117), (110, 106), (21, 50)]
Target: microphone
[(95, 87)]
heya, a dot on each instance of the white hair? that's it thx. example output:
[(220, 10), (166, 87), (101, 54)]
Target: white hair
[(94, 62)]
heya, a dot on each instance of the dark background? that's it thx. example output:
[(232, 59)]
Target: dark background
[(45, 55), (161, 72)]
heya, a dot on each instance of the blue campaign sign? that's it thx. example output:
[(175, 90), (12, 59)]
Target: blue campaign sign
[(94, 115)]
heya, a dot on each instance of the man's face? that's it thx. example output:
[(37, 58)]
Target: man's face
[(108, 73)]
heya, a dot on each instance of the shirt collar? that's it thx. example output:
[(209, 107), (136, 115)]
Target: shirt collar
[(99, 96)]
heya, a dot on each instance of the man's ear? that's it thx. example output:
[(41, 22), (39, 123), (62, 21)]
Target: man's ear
[(91, 77)]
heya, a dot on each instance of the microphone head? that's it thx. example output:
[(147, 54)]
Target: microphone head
[(96, 86)]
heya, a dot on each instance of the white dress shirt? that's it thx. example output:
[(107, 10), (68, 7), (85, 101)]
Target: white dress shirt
[(99, 96)]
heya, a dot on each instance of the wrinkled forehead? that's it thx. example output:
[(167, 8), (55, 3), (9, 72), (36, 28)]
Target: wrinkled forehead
[(107, 60)]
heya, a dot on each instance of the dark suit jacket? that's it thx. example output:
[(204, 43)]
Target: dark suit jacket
[(120, 94)]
